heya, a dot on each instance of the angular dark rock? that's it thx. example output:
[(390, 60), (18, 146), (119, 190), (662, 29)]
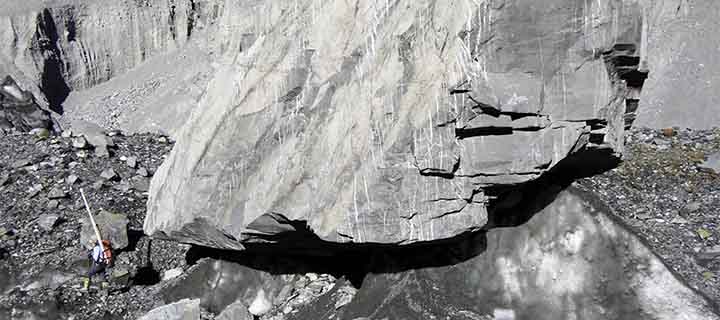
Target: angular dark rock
[(21, 163), (131, 162), (143, 172), (57, 193), (4, 178), (53, 204), (48, 221), (18, 109), (79, 142), (109, 174), (72, 179)]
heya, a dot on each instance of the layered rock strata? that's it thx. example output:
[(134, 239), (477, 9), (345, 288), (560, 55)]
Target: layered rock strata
[(389, 122)]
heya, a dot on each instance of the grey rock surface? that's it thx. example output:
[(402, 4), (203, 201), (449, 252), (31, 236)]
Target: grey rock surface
[(712, 163), (95, 136), (571, 260), (18, 109), (182, 310), (397, 135), (235, 311), (112, 227), (47, 221), (683, 56)]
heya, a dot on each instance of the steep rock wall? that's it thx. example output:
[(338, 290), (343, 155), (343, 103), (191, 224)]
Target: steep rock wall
[(387, 122), (684, 55), (59, 46)]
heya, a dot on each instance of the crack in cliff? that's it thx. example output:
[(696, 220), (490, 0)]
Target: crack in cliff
[(53, 84)]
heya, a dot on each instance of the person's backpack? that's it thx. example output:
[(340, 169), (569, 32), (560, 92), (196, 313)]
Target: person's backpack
[(107, 253)]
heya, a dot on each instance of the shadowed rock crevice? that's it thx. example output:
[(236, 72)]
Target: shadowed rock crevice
[(53, 84)]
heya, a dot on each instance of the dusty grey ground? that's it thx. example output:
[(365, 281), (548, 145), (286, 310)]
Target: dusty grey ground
[(663, 194)]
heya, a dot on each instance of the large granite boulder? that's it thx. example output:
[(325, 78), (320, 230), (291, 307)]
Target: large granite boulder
[(18, 109), (390, 122)]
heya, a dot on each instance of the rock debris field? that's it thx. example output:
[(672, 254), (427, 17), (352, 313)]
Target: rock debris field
[(666, 190)]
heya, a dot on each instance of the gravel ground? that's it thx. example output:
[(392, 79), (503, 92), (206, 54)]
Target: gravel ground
[(40, 269), (662, 192)]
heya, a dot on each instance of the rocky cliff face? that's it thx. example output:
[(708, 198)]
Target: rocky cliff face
[(392, 122), (60, 47)]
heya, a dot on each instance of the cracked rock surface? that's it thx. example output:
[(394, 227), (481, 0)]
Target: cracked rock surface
[(394, 136)]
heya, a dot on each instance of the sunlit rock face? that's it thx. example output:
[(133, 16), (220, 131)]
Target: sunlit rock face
[(386, 122)]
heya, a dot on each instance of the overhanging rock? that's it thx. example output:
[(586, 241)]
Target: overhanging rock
[(389, 122)]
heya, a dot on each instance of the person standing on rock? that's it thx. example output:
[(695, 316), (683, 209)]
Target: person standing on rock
[(100, 260)]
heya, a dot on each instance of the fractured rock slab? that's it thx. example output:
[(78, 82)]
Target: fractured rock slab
[(401, 138)]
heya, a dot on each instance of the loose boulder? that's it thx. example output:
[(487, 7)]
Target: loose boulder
[(95, 136), (18, 109)]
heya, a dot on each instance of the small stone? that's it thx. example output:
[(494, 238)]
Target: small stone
[(642, 216), (82, 154), (140, 184), (21, 163), (53, 204), (66, 134), (40, 133), (711, 164), (109, 174), (131, 162), (163, 140), (172, 273), (79, 142), (312, 276), (123, 186), (143, 172), (98, 184), (679, 220), (72, 179), (34, 190), (57, 193), (120, 276), (48, 221), (703, 233), (260, 305)]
